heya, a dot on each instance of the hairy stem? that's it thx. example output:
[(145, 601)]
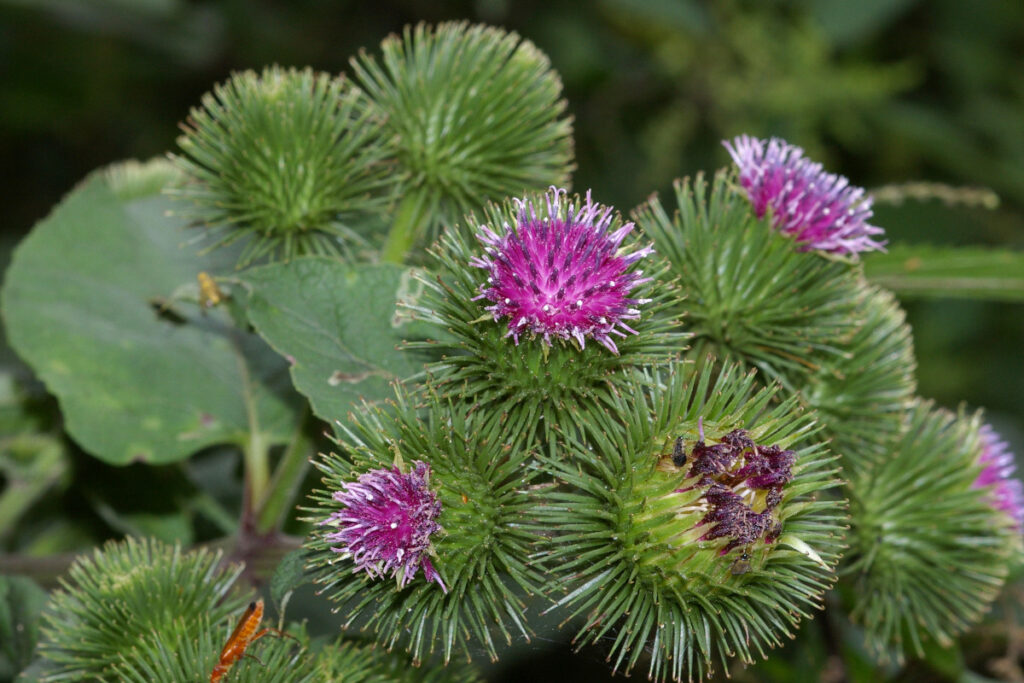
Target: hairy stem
[(407, 227)]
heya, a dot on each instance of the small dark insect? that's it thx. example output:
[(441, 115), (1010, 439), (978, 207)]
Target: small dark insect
[(741, 565), (678, 454)]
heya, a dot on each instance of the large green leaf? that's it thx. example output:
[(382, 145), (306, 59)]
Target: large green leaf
[(339, 327), (135, 383), (960, 272)]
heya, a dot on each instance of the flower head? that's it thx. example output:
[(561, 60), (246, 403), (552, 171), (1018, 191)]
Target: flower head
[(997, 471), (697, 551), (925, 536), (387, 521), (288, 161), (561, 273), (475, 113), (820, 210)]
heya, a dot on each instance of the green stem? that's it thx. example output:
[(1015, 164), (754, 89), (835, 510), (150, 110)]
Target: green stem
[(257, 469), (256, 447), (407, 226), (273, 509)]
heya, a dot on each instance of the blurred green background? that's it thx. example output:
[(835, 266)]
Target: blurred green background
[(883, 91)]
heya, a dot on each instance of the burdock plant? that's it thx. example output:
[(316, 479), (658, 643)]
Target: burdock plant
[(553, 302), (634, 427), (476, 114), (935, 525), (128, 599), (863, 394), (820, 210), (749, 295), (695, 523), (1004, 491), (419, 529), (288, 161)]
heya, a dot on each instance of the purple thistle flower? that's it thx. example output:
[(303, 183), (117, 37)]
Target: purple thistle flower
[(1007, 493), (820, 210), (386, 523), (561, 274)]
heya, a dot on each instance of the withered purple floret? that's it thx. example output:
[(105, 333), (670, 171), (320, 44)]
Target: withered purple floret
[(719, 458), (735, 520), (733, 462), (767, 468)]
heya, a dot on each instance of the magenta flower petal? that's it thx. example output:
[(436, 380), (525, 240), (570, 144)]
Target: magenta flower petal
[(386, 523), (1007, 493), (820, 210), (561, 274)]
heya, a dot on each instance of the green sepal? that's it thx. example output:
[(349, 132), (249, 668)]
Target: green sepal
[(625, 553), (482, 480), (126, 598), (928, 553), (533, 388), (749, 295), (475, 113), (290, 161)]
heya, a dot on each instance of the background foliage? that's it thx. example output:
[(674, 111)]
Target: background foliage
[(892, 91)]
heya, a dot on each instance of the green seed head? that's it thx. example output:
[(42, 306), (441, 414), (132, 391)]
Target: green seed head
[(863, 395), (480, 477), (928, 551), (132, 596), (288, 161), (476, 114), (536, 380)]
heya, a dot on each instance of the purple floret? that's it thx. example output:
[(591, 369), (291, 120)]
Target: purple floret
[(386, 523), (820, 210), (563, 278), (1007, 493)]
